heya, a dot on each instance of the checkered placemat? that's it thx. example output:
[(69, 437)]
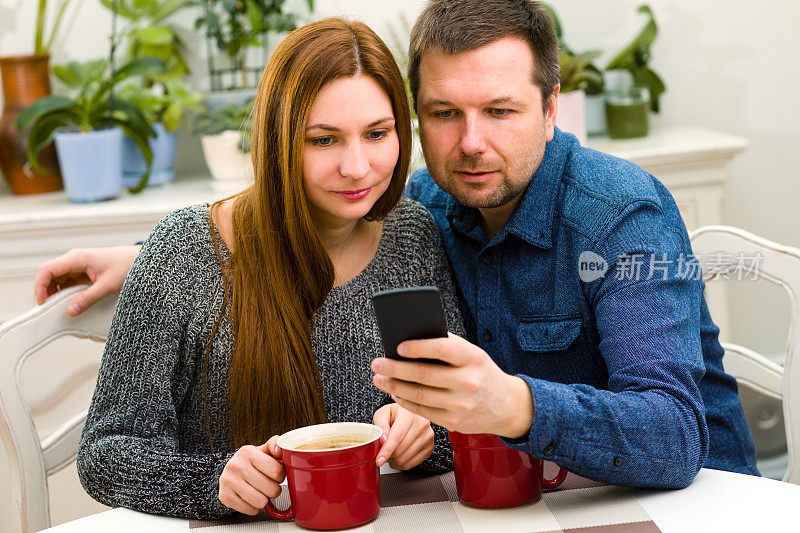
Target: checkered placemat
[(429, 504)]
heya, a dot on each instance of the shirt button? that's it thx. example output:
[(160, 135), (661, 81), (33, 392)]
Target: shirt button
[(617, 461), (488, 259), (549, 450), (487, 336)]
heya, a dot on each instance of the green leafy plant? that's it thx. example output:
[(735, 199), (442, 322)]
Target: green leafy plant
[(166, 105), (230, 117), (236, 25), (40, 46), (161, 96), (147, 34), (635, 58), (578, 70), (93, 107)]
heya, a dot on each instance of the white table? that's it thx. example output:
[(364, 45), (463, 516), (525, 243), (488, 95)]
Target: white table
[(715, 501)]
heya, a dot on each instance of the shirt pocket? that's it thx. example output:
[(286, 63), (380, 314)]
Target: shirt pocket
[(548, 334)]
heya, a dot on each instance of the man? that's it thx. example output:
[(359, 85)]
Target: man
[(601, 371), (605, 372)]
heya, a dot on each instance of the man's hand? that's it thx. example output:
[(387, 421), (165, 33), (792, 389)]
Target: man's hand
[(408, 437), (104, 268), (472, 395), (251, 477)]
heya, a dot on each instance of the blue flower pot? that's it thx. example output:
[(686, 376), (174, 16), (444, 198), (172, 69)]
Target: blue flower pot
[(133, 164), (91, 164)]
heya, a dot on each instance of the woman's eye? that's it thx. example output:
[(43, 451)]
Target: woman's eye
[(322, 141), (377, 135), (444, 114)]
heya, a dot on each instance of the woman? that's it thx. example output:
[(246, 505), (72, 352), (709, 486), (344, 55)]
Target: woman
[(252, 317)]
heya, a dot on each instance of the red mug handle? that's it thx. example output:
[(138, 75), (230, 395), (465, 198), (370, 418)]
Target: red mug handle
[(556, 481), (274, 512)]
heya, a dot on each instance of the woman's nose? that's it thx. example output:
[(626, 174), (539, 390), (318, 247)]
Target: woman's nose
[(355, 163)]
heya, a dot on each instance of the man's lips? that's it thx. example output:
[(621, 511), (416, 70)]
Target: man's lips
[(473, 176), (354, 195)]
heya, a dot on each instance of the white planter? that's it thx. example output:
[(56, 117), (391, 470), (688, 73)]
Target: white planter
[(595, 114), (231, 169), (571, 115)]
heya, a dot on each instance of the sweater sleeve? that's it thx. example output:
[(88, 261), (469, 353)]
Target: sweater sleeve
[(129, 454), (436, 271)]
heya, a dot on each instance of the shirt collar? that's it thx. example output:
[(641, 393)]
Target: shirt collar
[(532, 219)]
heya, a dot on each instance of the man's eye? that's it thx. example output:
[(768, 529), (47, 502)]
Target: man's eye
[(377, 135), (500, 112), (322, 141), (443, 114)]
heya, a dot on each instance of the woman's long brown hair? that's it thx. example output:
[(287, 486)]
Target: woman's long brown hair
[(279, 272)]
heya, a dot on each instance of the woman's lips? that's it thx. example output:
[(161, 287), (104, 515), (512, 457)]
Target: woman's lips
[(354, 195), (475, 177)]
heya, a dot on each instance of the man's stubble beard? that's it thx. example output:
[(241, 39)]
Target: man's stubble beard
[(507, 190)]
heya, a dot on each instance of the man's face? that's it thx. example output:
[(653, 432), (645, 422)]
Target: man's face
[(482, 126)]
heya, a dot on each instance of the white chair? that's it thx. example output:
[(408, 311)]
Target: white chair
[(725, 246), (30, 459)]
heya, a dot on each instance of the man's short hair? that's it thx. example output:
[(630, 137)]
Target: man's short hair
[(456, 26)]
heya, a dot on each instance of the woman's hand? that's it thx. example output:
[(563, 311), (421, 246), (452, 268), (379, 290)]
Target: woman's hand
[(409, 437), (251, 477), (104, 268)]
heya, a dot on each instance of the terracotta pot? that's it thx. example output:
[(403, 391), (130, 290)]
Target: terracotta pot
[(25, 80)]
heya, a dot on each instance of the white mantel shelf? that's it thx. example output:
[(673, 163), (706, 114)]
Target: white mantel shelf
[(670, 148), (42, 210)]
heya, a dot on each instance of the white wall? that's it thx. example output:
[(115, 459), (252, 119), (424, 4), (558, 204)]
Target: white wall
[(729, 65)]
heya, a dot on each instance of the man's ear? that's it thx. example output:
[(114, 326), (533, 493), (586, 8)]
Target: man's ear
[(552, 111)]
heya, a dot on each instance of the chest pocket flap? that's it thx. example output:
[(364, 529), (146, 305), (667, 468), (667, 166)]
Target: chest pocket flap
[(547, 335)]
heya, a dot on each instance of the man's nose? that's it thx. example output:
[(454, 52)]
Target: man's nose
[(473, 140), (355, 163)]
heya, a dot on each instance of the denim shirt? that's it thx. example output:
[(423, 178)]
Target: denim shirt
[(590, 294)]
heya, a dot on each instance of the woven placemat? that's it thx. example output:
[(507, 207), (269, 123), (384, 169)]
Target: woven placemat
[(429, 504)]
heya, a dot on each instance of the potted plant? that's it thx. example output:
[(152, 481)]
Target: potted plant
[(238, 27), (163, 108), (581, 84), (162, 97), (88, 127), (225, 137), (25, 80), (576, 77), (627, 107)]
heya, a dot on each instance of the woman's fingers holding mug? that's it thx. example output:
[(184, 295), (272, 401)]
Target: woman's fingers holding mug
[(418, 442), (271, 447), (266, 464), (234, 491), (383, 419), (231, 500), (251, 495), (397, 432)]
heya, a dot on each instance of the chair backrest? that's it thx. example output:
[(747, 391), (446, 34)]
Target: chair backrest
[(31, 460), (727, 246)]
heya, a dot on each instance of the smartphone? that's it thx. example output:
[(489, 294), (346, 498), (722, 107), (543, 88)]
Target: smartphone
[(406, 314)]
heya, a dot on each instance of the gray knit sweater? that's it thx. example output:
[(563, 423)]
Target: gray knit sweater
[(145, 444)]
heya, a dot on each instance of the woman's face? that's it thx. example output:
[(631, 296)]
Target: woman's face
[(351, 148)]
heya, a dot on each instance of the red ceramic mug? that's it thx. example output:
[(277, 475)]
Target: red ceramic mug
[(333, 488), (490, 474)]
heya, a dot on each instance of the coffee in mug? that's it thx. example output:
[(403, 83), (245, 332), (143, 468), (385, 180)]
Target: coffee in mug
[(333, 442)]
